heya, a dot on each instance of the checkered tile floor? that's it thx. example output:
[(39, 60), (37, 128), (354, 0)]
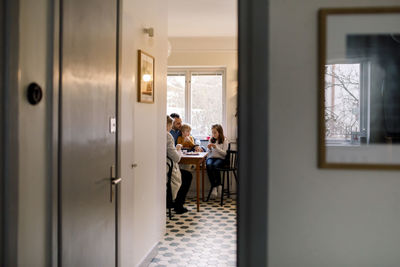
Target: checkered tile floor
[(205, 238)]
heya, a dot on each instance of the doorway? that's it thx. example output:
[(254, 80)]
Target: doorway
[(252, 78), (202, 90)]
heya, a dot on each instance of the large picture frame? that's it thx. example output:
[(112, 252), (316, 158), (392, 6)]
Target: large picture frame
[(359, 81), (146, 77)]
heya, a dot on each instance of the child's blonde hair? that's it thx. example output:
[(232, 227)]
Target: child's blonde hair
[(185, 127)]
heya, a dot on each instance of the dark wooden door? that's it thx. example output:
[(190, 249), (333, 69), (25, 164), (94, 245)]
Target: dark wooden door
[(87, 144)]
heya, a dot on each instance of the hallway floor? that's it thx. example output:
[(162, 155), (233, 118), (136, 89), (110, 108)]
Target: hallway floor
[(205, 238)]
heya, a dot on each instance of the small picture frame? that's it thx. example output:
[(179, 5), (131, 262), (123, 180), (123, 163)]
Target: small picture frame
[(145, 77)]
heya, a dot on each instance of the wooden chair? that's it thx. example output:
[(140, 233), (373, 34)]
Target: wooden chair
[(230, 165)]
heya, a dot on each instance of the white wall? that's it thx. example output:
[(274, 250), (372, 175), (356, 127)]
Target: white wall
[(143, 137), (33, 141), (319, 217), (211, 51)]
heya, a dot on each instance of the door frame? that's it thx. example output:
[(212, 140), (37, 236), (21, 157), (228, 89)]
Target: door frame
[(55, 74), (118, 135), (56, 11), (9, 145), (253, 132)]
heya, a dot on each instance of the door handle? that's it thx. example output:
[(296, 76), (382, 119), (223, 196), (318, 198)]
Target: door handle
[(115, 181)]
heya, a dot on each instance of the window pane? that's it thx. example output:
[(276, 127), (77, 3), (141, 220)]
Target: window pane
[(342, 101), (176, 94), (206, 98)]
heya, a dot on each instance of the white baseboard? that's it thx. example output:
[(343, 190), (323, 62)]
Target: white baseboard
[(152, 253)]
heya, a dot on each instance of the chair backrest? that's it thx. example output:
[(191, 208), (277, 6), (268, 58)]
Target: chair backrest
[(233, 157), (230, 158), (170, 164)]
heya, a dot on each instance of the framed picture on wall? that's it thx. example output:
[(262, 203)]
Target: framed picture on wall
[(359, 81), (145, 77)]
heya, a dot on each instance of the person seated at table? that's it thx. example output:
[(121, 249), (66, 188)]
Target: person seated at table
[(217, 147), (186, 140), (181, 179), (176, 132), (176, 126)]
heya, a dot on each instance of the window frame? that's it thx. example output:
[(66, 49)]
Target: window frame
[(187, 72)]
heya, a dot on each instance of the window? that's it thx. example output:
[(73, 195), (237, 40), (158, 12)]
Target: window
[(198, 95), (346, 102), (176, 94)]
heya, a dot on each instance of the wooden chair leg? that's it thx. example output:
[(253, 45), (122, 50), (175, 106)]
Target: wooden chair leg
[(228, 182), (223, 188), (234, 173)]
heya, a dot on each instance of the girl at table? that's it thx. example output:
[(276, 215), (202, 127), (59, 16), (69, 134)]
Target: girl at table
[(217, 147)]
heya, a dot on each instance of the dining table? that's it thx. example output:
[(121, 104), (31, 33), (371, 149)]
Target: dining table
[(198, 159)]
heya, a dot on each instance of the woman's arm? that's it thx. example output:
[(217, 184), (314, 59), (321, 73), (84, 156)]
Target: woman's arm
[(171, 149)]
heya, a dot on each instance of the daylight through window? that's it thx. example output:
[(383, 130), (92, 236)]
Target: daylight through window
[(198, 96)]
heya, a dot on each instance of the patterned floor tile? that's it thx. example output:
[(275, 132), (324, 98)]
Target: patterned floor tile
[(206, 238)]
